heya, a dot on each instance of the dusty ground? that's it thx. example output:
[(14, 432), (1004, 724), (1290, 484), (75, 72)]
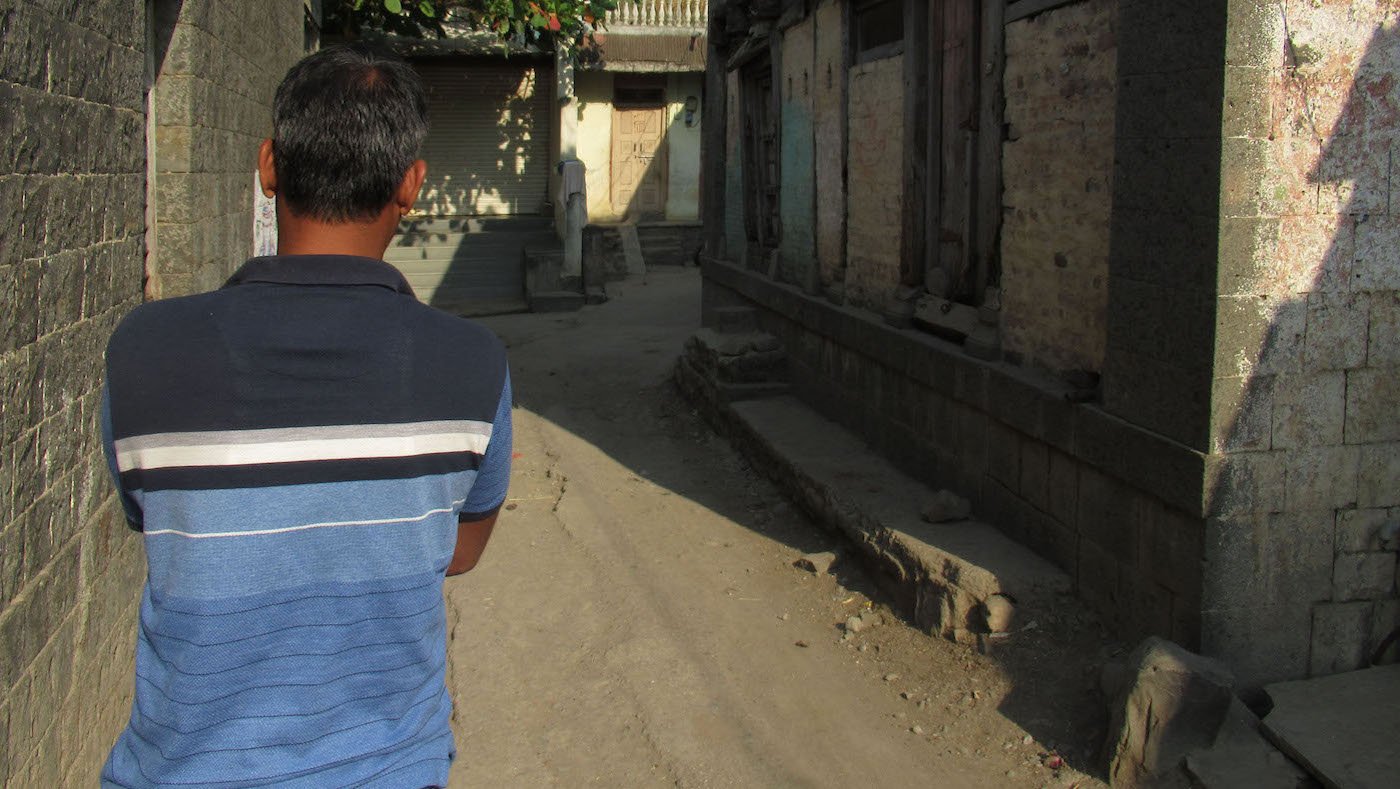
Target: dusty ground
[(637, 619)]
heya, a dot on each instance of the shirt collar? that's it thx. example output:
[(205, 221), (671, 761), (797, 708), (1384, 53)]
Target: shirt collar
[(320, 270)]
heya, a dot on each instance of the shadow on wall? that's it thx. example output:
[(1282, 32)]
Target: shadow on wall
[(490, 183), (1298, 580), (482, 198)]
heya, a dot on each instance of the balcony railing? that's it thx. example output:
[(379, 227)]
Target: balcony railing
[(688, 14)]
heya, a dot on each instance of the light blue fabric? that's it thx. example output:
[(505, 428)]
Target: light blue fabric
[(270, 653), (489, 488), (221, 566)]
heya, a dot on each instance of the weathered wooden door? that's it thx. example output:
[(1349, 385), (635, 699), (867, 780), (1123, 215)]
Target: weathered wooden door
[(639, 162)]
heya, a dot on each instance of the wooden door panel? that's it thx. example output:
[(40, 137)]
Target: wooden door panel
[(639, 161)]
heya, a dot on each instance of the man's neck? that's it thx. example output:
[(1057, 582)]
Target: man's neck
[(298, 235)]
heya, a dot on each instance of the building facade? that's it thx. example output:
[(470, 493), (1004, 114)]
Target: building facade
[(1116, 271)]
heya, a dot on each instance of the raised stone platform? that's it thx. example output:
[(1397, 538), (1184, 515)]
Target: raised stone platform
[(1344, 729), (944, 573)]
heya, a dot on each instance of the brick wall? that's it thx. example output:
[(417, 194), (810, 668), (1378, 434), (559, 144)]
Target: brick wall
[(71, 203), (72, 219), (874, 181), (213, 105), (1306, 387), (1057, 170)]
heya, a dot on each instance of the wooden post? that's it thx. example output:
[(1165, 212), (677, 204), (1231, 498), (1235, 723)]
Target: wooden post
[(933, 144), (913, 236), (992, 99)]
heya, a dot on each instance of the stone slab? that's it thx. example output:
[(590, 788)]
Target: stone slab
[(1343, 729), (632, 249), (945, 571), (1241, 757), (556, 301)]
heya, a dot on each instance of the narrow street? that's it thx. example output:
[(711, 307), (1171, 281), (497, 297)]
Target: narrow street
[(637, 619)]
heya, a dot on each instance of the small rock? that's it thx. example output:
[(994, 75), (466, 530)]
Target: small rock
[(999, 611), (1027, 740), (854, 624), (863, 647), (816, 563), (904, 694), (891, 677), (785, 617), (917, 729), (947, 506), (800, 643)]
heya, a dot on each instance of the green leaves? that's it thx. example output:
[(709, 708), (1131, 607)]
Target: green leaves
[(548, 24)]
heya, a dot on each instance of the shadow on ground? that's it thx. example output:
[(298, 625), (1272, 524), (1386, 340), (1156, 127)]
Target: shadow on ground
[(604, 374)]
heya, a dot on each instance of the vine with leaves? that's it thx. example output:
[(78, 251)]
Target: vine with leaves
[(561, 23)]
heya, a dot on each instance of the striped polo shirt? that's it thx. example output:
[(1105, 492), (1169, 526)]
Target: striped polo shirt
[(297, 448)]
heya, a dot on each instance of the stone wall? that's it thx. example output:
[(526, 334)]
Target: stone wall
[(1057, 171), (874, 181), (71, 203), (1307, 363), (1114, 506), (213, 106), (72, 217)]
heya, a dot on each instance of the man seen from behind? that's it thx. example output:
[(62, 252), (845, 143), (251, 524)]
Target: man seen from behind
[(308, 452)]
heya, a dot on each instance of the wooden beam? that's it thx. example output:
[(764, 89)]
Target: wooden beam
[(1020, 9), (913, 236)]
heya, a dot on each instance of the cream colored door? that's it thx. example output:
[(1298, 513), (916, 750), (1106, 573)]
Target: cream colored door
[(639, 162)]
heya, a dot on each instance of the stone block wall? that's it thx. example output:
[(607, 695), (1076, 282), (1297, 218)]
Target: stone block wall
[(1116, 507), (1057, 172), (874, 181), (73, 201), (215, 80), (71, 220), (1307, 382)]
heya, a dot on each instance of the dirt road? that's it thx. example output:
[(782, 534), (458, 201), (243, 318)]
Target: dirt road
[(637, 619)]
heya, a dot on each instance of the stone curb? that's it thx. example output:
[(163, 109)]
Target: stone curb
[(943, 574)]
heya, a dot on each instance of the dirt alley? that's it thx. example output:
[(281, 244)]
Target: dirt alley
[(637, 619)]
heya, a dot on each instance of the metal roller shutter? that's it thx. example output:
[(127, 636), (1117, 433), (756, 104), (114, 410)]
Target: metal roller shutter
[(488, 140)]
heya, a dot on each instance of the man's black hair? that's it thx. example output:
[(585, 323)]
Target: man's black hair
[(347, 123)]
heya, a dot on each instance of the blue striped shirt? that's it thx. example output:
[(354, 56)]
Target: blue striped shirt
[(297, 448)]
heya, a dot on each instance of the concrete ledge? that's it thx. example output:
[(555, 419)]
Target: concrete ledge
[(943, 573), (1033, 405)]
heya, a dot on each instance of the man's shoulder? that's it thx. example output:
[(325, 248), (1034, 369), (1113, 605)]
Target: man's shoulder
[(458, 333), (162, 320)]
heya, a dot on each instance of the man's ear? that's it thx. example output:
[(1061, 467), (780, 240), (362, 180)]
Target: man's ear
[(267, 171), (410, 185)]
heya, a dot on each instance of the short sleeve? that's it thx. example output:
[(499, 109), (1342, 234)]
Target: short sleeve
[(488, 493), (129, 504)]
